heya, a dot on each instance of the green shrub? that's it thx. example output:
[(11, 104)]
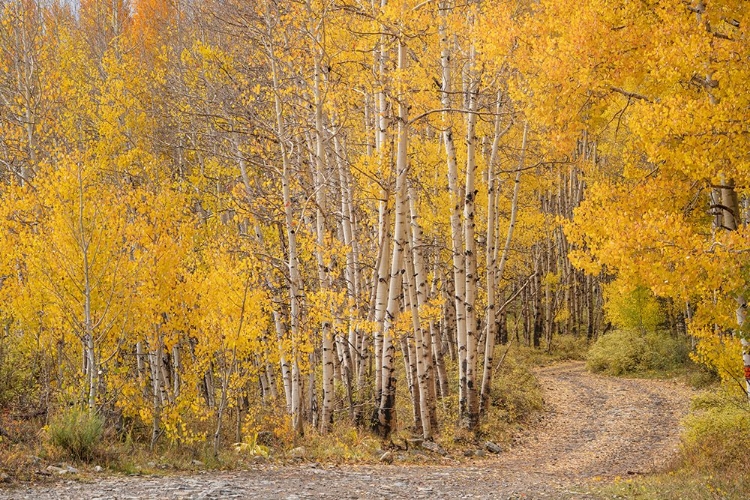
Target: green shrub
[(717, 434), (628, 351), (77, 432), (665, 352)]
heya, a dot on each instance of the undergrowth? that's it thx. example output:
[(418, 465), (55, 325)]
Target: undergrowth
[(560, 348), (649, 355), (86, 440), (77, 432)]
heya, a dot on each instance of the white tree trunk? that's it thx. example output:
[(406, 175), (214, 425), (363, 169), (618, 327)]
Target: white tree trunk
[(456, 197), (422, 353), (386, 411), (470, 255), (491, 259), (423, 296)]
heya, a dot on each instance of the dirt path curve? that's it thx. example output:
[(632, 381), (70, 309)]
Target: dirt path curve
[(595, 427)]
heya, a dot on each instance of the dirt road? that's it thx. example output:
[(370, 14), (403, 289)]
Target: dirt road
[(596, 429)]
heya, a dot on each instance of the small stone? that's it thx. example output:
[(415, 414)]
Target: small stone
[(71, 469), (492, 447), (197, 463), (4, 478), (53, 469), (98, 468), (480, 453), (387, 457), (468, 453), (298, 452), (434, 447)]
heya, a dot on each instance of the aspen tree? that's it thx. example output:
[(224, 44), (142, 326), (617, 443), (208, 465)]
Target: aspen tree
[(317, 32), (426, 349), (422, 365), (22, 70), (470, 254), (354, 346), (497, 274), (386, 409), (459, 265), (383, 270)]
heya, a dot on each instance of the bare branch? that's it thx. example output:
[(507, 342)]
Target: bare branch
[(630, 95)]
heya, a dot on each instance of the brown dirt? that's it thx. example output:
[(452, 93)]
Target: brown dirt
[(595, 429)]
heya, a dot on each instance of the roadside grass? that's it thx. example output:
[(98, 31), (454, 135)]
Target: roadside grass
[(682, 484)]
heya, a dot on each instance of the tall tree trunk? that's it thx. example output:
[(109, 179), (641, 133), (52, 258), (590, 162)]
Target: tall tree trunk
[(471, 417), (386, 412), (456, 197), (320, 230), (498, 274), (425, 340), (727, 217), (384, 218), (422, 351)]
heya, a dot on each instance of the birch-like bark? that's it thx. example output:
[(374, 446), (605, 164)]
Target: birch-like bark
[(437, 349), (457, 247), (491, 255), (386, 412), (154, 359), (727, 217), (422, 352), (495, 274), (141, 366), (286, 372), (352, 362), (471, 418), (407, 353), (326, 332), (84, 239), (425, 339), (384, 217)]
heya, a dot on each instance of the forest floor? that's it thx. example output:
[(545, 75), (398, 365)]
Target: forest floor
[(595, 429)]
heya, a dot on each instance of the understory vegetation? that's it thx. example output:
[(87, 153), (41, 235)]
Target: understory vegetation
[(629, 352), (74, 436)]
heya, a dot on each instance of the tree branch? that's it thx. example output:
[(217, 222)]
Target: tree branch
[(630, 95)]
